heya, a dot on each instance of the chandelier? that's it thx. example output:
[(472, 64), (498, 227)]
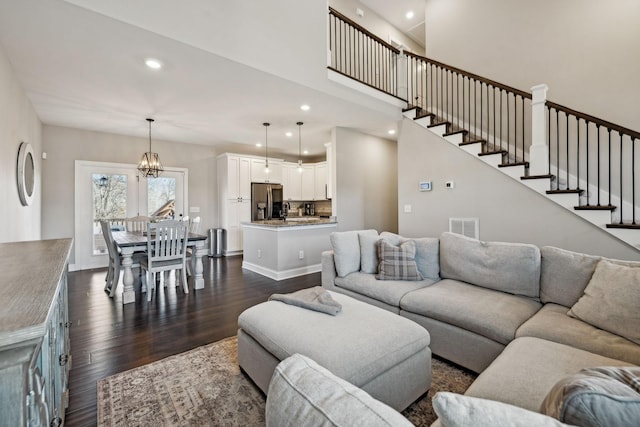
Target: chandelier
[(150, 165)]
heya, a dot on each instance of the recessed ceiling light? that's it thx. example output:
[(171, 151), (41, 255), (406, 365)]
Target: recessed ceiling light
[(153, 63), (391, 131), (289, 134), (305, 107), (305, 152), (258, 144), (409, 14)]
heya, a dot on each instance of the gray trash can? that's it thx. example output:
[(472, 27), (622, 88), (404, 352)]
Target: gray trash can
[(217, 242)]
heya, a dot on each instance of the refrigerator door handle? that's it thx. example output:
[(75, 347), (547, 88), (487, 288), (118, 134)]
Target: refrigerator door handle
[(269, 203)]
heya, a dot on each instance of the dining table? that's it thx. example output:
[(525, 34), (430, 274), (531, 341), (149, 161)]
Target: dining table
[(129, 242)]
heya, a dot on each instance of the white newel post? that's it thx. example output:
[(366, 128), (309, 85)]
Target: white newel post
[(539, 151), (403, 87)]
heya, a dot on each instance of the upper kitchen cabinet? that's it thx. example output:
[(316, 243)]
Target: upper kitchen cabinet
[(234, 175), (330, 166), (291, 182), (320, 187), (258, 173)]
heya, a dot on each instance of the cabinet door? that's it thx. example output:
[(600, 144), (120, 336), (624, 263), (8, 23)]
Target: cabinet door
[(244, 178), (308, 183), (237, 213), (320, 181), (258, 173), (329, 170), (291, 182), (233, 183)]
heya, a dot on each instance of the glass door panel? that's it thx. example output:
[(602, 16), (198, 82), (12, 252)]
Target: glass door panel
[(109, 203)]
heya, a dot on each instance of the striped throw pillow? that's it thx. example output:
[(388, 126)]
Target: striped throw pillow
[(397, 262)]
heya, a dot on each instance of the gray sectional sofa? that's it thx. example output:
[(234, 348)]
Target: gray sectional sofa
[(515, 313)]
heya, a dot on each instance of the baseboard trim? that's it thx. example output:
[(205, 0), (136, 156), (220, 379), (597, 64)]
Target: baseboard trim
[(281, 275)]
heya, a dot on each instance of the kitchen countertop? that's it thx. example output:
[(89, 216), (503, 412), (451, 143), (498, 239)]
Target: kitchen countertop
[(293, 222)]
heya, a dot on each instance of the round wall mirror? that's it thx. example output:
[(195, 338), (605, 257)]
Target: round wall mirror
[(26, 174)]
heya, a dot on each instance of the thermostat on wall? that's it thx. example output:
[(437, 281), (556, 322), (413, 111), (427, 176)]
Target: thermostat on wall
[(425, 186)]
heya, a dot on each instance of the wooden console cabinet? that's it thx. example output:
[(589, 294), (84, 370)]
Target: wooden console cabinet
[(35, 355)]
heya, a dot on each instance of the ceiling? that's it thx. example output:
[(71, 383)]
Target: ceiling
[(82, 69), (395, 13)]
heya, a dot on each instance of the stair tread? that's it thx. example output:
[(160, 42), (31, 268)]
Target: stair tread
[(595, 208), (569, 191), (624, 225), (506, 165), (475, 141), (488, 153), (547, 176), (455, 132)]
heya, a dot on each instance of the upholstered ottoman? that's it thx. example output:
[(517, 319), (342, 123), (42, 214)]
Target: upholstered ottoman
[(386, 355)]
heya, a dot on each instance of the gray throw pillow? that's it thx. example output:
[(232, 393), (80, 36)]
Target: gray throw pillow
[(397, 262), (611, 300), (456, 410), (596, 397), (301, 392)]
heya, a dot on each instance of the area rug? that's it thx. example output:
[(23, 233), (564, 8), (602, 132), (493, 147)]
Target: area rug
[(204, 387)]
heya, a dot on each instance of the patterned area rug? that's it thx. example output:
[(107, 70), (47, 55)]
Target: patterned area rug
[(204, 387)]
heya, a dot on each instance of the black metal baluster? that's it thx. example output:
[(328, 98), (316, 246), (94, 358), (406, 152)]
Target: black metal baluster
[(633, 179), (598, 164), (549, 138), (523, 134), (567, 126), (621, 192), (501, 114), (587, 151), (578, 152), (558, 147), (609, 130)]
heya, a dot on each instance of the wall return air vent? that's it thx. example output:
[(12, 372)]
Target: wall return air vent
[(469, 227)]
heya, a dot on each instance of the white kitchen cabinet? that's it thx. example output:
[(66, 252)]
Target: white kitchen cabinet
[(235, 213), (308, 182), (291, 182), (234, 177), (258, 173), (320, 180), (330, 166), (35, 354)]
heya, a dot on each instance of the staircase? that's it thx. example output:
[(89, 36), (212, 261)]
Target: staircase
[(583, 163), (496, 157)]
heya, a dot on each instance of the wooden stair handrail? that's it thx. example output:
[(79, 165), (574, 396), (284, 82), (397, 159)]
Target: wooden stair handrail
[(471, 75), (592, 119)]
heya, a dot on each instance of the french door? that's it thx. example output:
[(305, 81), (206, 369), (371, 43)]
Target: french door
[(115, 191)]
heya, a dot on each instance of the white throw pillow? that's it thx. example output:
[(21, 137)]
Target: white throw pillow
[(456, 410), (611, 300), (301, 392), (346, 251)]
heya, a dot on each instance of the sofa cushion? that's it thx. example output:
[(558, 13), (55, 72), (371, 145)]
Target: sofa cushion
[(397, 262), (506, 267), (611, 300), (456, 410), (603, 396), (388, 291), (492, 314), (301, 391), (528, 368), (552, 323), (346, 250), (565, 274), (368, 252), (427, 253)]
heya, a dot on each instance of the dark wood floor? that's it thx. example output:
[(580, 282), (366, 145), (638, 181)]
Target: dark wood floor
[(107, 337)]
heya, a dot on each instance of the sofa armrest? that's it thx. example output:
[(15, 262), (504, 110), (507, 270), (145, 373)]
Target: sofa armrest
[(328, 270)]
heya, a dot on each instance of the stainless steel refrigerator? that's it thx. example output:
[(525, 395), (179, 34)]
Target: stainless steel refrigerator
[(266, 201)]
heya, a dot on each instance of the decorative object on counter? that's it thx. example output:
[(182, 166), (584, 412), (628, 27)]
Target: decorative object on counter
[(26, 174), (300, 146), (150, 165), (266, 147)]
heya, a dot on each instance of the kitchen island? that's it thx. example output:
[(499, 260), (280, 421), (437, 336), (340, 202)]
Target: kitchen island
[(282, 249)]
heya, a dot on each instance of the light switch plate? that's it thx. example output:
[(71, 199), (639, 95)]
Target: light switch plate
[(407, 208), (194, 209)]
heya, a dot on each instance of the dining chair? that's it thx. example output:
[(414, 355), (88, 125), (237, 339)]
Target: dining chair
[(166, 251), (115, 260), (137, 223)]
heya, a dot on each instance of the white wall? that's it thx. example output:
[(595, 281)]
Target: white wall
[(586, 51), (508, 211), (18, 123), (366, 181), (65, 145)]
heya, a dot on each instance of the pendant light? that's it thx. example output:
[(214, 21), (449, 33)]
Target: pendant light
[(266, 148), (150, 165), (300, 146)]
